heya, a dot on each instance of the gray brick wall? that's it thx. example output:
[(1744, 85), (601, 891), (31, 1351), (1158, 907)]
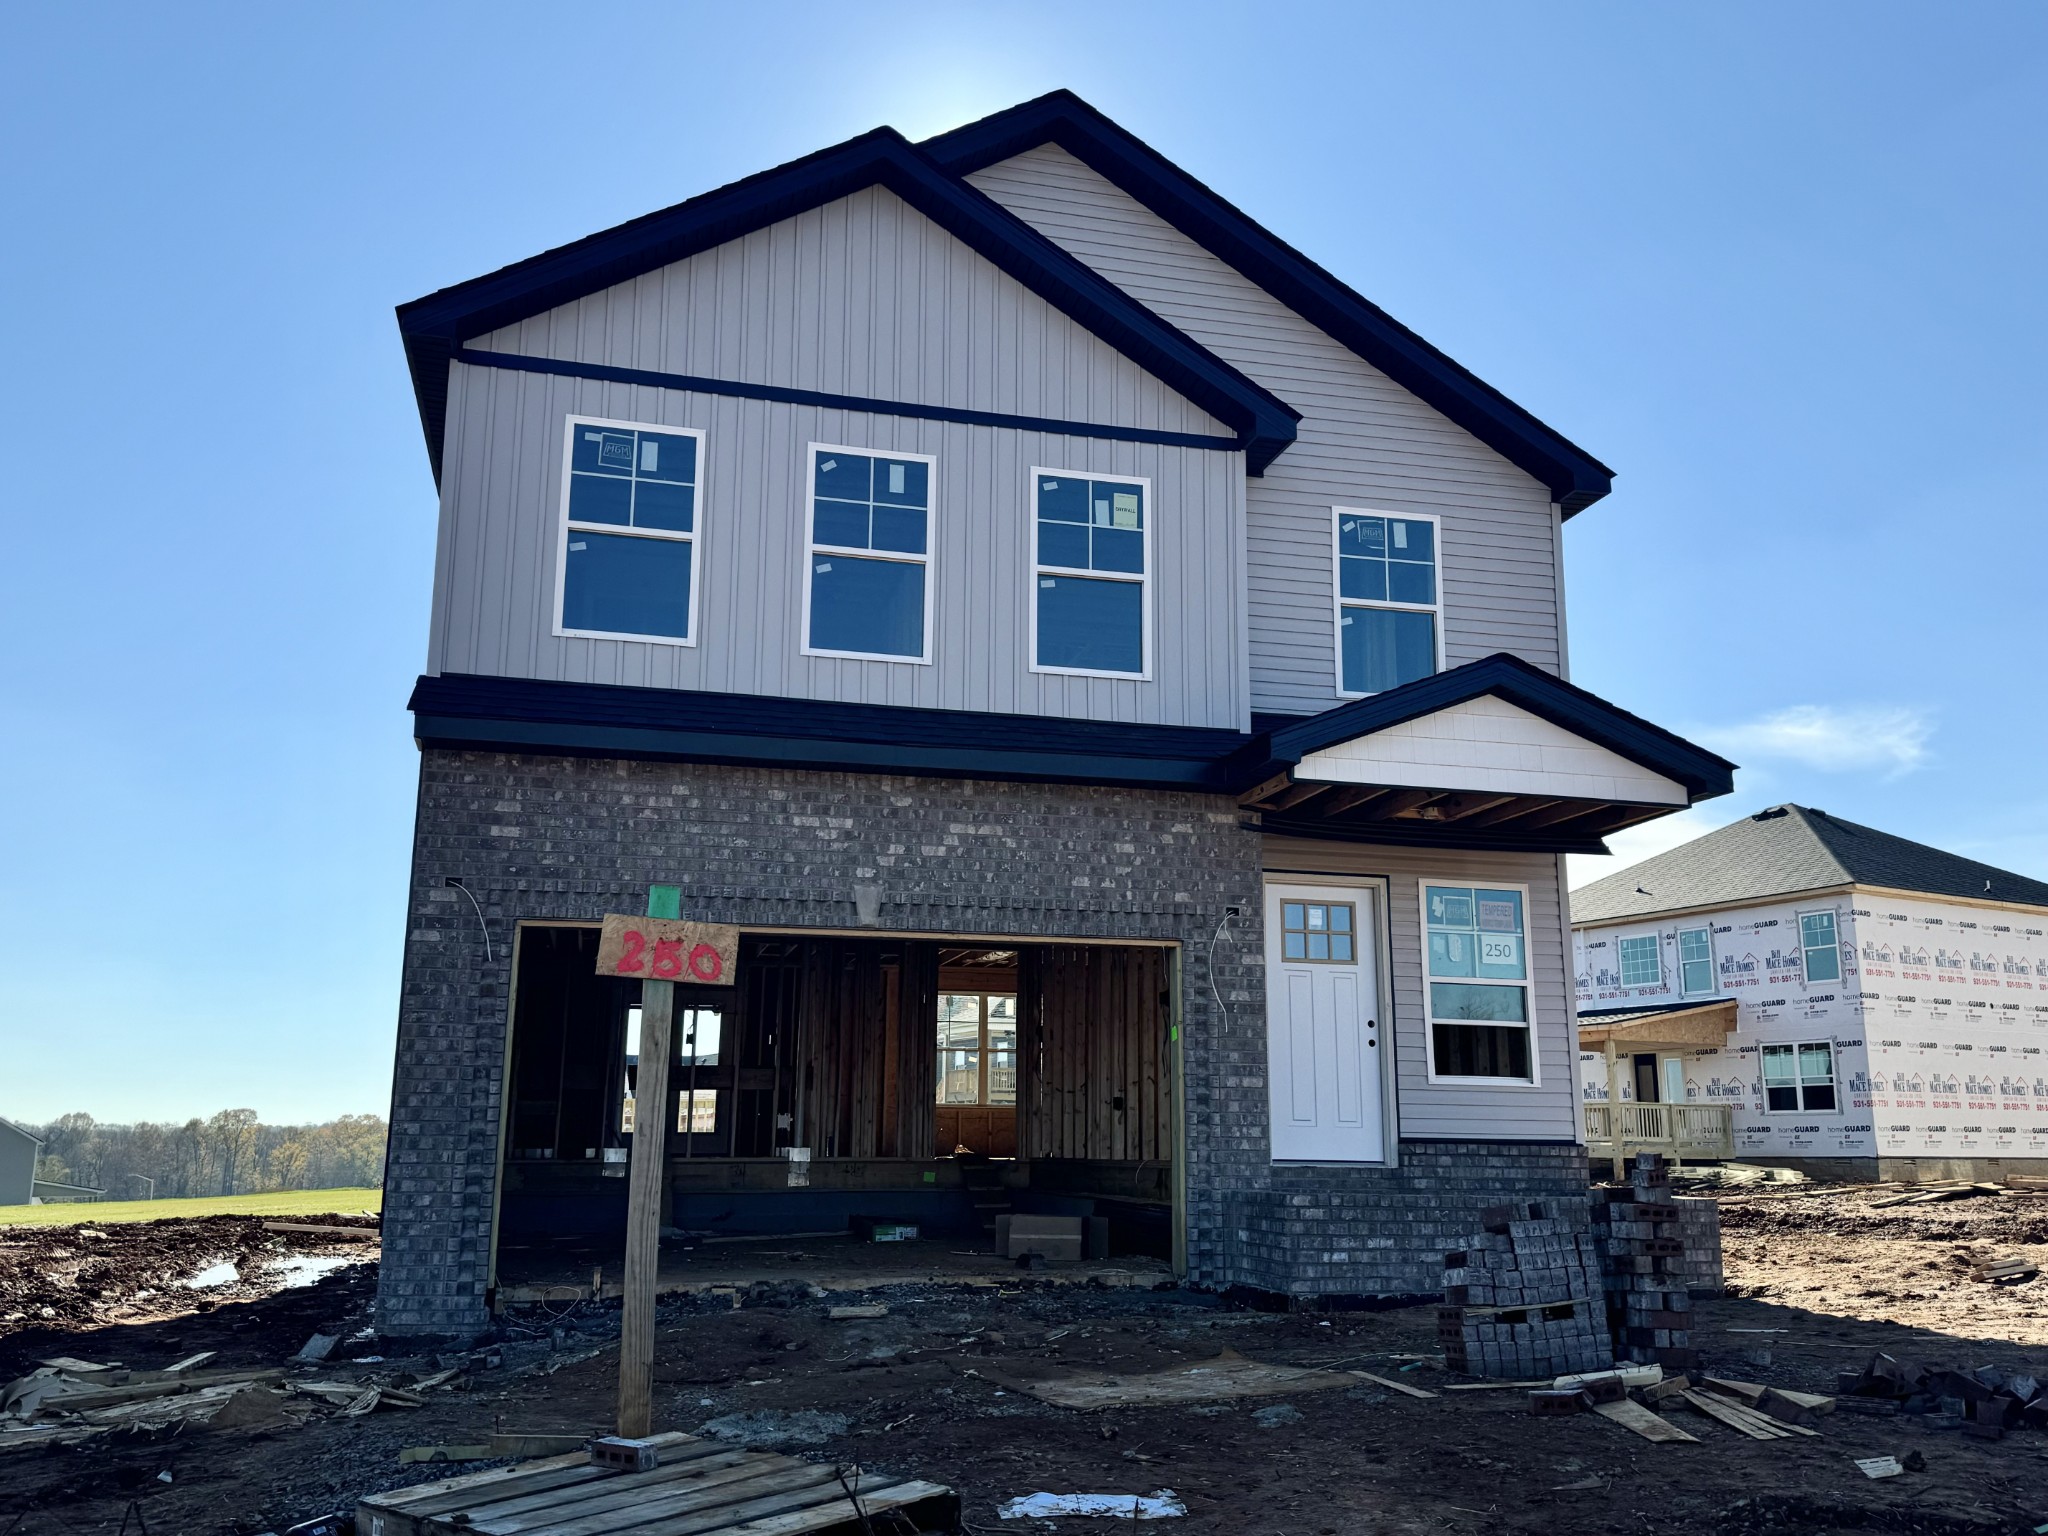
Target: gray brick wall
[(570, 838)]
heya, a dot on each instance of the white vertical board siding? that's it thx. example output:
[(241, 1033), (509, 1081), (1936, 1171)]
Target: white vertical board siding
[(1364, 442), (862, 296), (1546, 1112), (494, 603)]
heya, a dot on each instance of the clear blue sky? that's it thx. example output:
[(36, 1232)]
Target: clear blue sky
[(1780, 265)]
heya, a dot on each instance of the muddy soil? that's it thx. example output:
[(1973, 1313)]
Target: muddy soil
[(1835, 1251), (908, 1393), (82, 1277)]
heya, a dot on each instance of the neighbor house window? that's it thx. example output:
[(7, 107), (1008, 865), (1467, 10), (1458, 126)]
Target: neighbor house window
[(1799, 1077), (1817, 939), (977, 1048), (1389, 602), (1695, 960), (629, 532), (868, 590), (1478, 961), (1091, 603), (1641, 966)]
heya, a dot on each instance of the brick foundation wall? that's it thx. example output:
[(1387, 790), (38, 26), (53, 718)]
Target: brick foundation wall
[(553, 838), (1364, 1231)]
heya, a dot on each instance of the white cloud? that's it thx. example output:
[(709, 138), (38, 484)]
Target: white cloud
[(1891, 738)]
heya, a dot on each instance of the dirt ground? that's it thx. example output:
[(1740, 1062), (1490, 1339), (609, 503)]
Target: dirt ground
[(1822, 1281)]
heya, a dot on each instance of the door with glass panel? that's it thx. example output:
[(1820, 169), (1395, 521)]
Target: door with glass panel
[(1322, 1027)]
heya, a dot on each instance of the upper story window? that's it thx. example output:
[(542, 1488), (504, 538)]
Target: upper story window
[(868, 590), (1817, 942), (1092, 608), (628, 569), (1476, 942), (1695, 960), (1389, 600), (1641, 965)]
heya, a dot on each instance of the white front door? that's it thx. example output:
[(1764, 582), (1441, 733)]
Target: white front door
[(1323, 1043)]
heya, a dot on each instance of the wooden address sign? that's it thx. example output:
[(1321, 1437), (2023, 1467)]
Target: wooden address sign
[(664, 949)]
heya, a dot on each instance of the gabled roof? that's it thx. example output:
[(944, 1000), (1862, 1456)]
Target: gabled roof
[(1704, 774), (435, 327), (1787, 849), (1576, 479), (22, 1131)]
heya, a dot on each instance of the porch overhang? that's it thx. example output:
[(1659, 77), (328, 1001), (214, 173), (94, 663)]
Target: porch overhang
[(1495, 754), (1688, 1027)]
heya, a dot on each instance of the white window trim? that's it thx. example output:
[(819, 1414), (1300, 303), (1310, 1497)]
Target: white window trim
[(1795, 1046), (1144, 579), (1535, 1078), (812, 549), (1657, 938), (1338, 602), (563, 530), (1713, 972), (1799, 927)]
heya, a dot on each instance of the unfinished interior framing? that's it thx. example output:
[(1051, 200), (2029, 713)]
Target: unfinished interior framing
[(927, 1080)]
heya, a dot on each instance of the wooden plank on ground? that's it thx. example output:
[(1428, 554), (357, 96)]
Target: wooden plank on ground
[(359, 1234), (1634, 1416), (627, 1501), (1745, 1420), (1392, 1385)]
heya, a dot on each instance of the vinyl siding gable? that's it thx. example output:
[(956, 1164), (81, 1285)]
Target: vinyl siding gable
[(1364, 442)]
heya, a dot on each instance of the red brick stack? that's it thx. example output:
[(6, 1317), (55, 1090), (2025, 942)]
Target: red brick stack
[(1643, 1268)]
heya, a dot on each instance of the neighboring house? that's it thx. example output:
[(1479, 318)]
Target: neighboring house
[(1112, 674), (1875, 1007), (19, 1150)]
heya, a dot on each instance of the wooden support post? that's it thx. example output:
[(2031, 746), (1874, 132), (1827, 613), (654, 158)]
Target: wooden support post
[(1613, 1110), (646, 1188)]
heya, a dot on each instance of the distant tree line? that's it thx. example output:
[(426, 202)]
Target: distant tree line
[(234, 1153)]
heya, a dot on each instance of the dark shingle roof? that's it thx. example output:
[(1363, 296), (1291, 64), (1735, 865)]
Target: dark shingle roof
[(1793, 848)]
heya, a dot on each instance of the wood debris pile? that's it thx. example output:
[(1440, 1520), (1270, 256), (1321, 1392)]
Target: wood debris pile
[(66, 1401)]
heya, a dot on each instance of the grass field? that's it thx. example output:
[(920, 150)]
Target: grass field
[(284, 1202)]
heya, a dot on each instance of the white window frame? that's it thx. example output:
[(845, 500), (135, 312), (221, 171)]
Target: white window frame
[(1528, 984), (1144, 579), (1339, 602), (1798, 1079), (1713, 976), (564, 529), (813, 549), (982, 1048), (1799, 927), (1656, 939)]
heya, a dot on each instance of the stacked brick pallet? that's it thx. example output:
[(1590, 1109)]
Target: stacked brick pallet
[(1636, 1230), (1523, 1298)]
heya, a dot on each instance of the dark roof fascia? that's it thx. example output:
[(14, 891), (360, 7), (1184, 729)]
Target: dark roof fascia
[(1430, 834), (1574, 477), (1704, 774), (436, 325), (496, 714)]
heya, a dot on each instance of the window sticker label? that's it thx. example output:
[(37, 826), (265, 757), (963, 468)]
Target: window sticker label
[(1498, 916), (1126, 509), (895, 479), (615, 450)]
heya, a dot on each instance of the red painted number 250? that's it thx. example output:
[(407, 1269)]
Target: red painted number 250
[(667, 961)]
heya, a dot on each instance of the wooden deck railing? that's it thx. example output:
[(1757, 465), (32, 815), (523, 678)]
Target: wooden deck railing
[(1698, 1131)]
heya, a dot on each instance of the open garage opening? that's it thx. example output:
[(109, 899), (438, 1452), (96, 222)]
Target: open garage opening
[(843, 1085)]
